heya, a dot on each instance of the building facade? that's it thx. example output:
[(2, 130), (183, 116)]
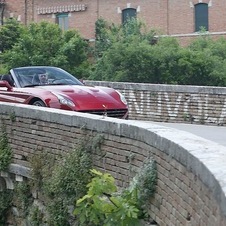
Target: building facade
[(182, 19)]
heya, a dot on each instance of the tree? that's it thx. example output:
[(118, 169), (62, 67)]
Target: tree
[(135, 59), (131, 54), (122, 51), (46, 44), (9, 34), (108, 34)]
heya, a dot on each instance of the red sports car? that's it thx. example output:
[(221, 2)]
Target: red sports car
[(55, 88)]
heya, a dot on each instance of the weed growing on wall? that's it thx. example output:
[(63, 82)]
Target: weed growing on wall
[(145, 181), (5, 159), (57, 183), (22, 198), (5, 204), (104, 205), (5, 151), (35, 216), (12, 116), (41, 167)]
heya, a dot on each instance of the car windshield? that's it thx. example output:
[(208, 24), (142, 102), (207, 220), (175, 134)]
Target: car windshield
[(40, 76)]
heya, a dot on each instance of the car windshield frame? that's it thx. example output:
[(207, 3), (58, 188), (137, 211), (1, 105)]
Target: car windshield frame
[(30, 76)]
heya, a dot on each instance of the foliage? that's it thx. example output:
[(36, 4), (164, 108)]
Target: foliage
[(131, 54), (5, 151), (46, 44), (101, 207), (58, 212), (102, 39), (22, 197), (41, 167), (104, 205), (35, 216), (132, 57), (145, 182), (71, 175), (75, 50), (108, 34), (124, 53), (9, 34), (62, 181), (3, 68), (67, 183), (5, 204)]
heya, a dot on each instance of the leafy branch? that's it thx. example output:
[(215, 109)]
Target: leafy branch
[(104, 205)]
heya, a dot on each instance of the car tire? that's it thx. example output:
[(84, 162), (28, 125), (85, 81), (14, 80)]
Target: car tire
[(39, 103)]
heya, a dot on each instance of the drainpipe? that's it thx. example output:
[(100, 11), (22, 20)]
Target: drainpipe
[(167, 19), (25, 12), (98, 5), (33, 10), (2, 7)]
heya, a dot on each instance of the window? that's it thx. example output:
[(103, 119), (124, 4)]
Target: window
[(62, 20), (127, 14), (201, 16)]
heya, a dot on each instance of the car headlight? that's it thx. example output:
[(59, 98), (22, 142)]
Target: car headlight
[(65, 101), (122, 98)]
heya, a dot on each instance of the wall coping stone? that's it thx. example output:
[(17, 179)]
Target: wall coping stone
[(160, 87)]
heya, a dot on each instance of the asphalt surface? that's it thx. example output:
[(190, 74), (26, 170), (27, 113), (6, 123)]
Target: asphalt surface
[(212, 133)]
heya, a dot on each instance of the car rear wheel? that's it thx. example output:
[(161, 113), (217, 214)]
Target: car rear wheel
[(39, 103)]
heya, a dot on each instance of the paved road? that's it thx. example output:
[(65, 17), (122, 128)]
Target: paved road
[(212, 133)]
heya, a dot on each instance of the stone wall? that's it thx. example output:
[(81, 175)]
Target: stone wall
[(173, 103), (191, 183)]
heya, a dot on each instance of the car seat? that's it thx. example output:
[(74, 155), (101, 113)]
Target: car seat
[(35, 79), (8, 78)]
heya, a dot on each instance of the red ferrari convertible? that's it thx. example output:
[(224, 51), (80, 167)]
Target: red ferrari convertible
[(55, 88)]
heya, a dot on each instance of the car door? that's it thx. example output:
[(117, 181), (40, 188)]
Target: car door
[(7, 95), (13, 95)]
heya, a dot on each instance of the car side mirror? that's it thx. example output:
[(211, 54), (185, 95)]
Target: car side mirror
[(6, 85)]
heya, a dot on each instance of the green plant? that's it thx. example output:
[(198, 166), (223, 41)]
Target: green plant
[(104, 205), (41, 167), (185, 116), (5, 151), (35, 216), (58, 211), (10, 33), (145, 182), (101, 205), (12, 116), (67, 183), (45, 43), (22, 197), (5, 204), (60, 181)]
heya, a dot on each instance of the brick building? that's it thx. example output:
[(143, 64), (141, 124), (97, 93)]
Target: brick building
[(180, 18)]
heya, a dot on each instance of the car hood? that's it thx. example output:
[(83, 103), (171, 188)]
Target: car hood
[(87, 97)]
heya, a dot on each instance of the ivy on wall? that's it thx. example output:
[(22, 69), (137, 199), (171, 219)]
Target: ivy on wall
[(5, 150), (5, 203), (5, 159), (55, 184), (49, 198)]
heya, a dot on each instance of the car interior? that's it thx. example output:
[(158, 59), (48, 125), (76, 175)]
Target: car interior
[(8, 78)]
